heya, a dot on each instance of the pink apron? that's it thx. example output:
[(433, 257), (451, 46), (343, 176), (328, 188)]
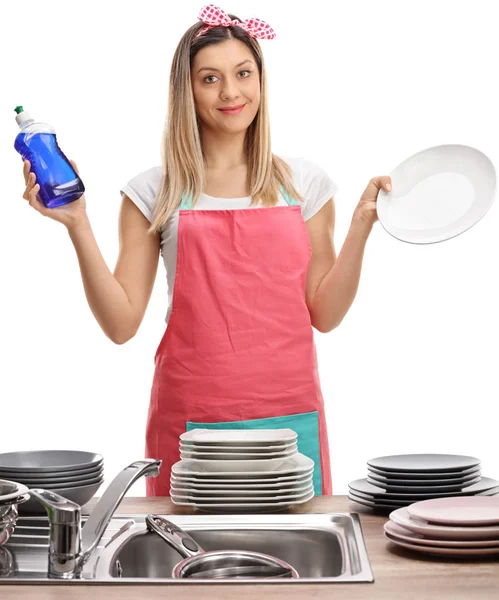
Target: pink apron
[(238, 350)]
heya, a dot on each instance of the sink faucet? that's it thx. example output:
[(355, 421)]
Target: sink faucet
[(71, 544)]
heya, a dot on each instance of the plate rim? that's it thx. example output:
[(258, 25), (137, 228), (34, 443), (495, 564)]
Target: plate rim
[(382, 201)]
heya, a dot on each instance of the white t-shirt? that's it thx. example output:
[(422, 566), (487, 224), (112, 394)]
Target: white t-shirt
[(309, 179)]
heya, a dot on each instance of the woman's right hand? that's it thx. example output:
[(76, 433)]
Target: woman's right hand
[(71, 215)]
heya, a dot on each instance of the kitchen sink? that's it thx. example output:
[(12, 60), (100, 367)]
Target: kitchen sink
[(324, 548)]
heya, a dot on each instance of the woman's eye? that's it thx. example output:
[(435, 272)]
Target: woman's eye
[(244, 71)]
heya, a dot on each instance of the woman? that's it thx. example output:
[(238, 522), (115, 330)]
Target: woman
[(247, 241)]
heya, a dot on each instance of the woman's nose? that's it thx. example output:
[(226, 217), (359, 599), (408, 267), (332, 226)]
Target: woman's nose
[(230, 89)]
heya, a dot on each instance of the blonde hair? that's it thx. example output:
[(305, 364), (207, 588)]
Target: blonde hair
[(182, 154)]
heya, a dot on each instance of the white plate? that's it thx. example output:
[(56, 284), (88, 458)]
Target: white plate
[(230, 478), (236, 455), (243, 499), (437, 194), (293, 465), (243, 483), (194, 446), (239, 496), (190, 490), (250, 505), (239, 436)]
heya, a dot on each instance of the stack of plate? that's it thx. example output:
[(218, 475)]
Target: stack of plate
[(238, 470), (400, 480), (73, 474), (463, 526)]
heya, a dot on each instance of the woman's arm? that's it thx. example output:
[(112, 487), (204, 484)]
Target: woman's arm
[(118, 301), (332, 282)]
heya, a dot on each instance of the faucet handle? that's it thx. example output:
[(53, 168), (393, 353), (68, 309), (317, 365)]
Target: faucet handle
[(65, 532), (59, 509)]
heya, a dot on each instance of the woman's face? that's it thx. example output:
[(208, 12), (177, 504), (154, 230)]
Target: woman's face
[(225, 75)]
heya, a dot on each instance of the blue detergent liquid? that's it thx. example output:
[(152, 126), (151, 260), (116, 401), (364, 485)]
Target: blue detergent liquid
[(59, 183)]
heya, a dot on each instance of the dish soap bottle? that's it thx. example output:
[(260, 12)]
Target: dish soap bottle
[(37, 142)]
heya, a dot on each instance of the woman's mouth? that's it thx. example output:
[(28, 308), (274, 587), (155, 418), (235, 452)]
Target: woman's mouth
[(232, 110)]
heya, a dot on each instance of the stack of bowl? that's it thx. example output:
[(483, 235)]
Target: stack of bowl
[(73, 474), (11, 496)]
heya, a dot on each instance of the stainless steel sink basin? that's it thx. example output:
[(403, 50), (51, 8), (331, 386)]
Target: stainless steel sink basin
[(322, 548)]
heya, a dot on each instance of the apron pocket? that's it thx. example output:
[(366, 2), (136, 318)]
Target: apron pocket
[(306, 425)]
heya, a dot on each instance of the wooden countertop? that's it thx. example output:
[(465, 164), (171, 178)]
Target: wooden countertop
[(398, 573)]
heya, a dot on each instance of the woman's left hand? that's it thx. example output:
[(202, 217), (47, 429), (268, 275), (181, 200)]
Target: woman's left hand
[(365, 211)]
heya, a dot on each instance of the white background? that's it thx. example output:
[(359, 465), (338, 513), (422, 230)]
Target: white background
[(357, 87)]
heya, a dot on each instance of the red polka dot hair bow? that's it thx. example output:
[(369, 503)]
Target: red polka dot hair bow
[(214, 16)]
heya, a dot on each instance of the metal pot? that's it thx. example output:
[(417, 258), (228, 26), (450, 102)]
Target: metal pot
[(11, 495), (216, 564), (8, 517)]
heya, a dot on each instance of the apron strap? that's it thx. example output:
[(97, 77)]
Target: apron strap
[(291, 201), (187, 203)]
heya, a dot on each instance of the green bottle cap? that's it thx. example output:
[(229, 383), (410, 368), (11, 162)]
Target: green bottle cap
[(19, 109)]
